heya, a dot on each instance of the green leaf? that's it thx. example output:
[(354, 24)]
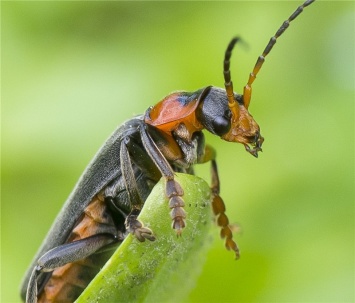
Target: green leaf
[(166, 269)]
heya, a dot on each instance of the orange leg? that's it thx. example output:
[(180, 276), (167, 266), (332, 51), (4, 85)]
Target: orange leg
[(218, 205)]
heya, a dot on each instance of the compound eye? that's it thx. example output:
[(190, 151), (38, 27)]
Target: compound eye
[(222, 124)]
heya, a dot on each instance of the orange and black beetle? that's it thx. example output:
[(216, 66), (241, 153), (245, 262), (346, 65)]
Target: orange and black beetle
[(107, 199)]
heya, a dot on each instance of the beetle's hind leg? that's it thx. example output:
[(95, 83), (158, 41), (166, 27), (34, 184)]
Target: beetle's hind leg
[(64, 254), (133, 225)]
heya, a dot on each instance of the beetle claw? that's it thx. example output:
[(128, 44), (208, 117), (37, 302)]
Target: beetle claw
[(137, 228), (143, 233), (178, 224)]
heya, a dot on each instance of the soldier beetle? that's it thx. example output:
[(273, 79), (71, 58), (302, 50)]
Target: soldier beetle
[(104, 205)]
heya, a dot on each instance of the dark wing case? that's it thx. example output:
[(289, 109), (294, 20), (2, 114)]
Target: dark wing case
[(103, 168)]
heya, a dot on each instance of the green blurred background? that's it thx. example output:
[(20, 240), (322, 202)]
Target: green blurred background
[(72, 71)]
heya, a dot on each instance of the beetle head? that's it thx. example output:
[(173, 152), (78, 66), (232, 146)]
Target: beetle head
[(245, 130), (233, 124)]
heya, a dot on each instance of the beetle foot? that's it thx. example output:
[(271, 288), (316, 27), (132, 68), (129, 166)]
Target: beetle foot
[(177, 213), (143, 233), (223, 222), (178, 223), (176, 204), (137, 228), (226, 232)]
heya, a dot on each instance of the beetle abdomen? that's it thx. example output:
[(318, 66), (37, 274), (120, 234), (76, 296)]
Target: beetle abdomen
[(68, 282)]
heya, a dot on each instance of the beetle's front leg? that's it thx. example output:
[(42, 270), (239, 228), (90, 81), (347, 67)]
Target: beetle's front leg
[(173, 189), (219, 210), (218, 205), (133, 225)]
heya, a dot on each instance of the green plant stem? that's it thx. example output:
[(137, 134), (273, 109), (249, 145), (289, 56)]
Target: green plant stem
[(166, 269)]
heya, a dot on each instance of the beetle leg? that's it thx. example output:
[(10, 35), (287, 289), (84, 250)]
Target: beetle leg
[(133, 225), (32, 289), (173, 189), (218, 205), (143, 161), (64, 254), (136, 227), (219, 210)]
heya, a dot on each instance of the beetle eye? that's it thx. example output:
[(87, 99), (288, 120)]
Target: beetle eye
[(221, 124)]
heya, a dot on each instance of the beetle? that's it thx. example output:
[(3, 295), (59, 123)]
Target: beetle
[(105, 203)]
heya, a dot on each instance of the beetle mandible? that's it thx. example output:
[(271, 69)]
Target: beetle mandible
[(104, 205)]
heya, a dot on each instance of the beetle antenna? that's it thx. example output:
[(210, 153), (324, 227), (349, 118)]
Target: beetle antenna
[(269, 46), (228, 84)]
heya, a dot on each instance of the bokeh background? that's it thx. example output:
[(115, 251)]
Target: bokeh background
[(72, 71)]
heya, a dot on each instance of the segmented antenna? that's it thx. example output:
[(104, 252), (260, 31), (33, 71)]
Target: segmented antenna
[(228, 84), (269, 46)]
